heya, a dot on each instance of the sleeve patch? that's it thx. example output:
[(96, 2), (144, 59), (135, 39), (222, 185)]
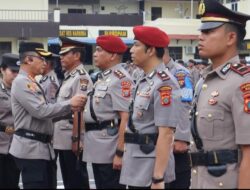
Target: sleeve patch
[(83, 84), (247, 102), (165, 94), (126, 89)]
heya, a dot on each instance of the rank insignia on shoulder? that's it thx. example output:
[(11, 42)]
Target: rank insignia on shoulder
[(52, 79), (119, 74), (240, 69), (83, 84), (163, 75), (225, 69), (81, 71), (165, 93), (126, 89)]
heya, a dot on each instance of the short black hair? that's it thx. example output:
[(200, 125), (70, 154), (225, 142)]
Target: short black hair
[(159, 51), (81, 51), (3, 66), (240, 32)]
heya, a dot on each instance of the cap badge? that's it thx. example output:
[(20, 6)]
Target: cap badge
[(202, 8)]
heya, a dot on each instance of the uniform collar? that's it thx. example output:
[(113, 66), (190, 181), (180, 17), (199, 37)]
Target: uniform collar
[(73, 72), (149, 76), (170, 64), (110, 70), (223, 70)]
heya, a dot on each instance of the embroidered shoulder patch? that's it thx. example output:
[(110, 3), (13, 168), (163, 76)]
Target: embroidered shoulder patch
[(126, 89), (245, 88), (119, 74), (241, 69), (163, 75), (180, 76), (83, 84), (165, 94)]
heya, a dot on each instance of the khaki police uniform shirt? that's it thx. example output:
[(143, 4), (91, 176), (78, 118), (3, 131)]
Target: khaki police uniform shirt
[(223, 119), (112, 95), (31, 112), (50, 85), (195, 75), (182, 132), (6, 118), (155, 104), (76, 82)]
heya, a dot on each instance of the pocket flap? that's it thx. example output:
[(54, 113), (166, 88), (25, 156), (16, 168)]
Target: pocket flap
[(211, 114)]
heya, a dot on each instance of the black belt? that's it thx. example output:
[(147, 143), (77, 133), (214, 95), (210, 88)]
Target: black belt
[(33, 135), (135, 138), (214, 157), (7, 129), (101, 125)]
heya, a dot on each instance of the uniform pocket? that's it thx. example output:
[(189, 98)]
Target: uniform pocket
[(100, 94), (66, 94), (142, 104), (210, 124)]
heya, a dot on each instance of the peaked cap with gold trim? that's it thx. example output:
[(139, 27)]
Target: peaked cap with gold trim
[(213, 14), (34, 47), (68, 44)]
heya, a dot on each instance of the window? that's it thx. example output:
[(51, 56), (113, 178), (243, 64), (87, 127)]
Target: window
[(175, 52), (5, 47), (156, 12), (78, 11)]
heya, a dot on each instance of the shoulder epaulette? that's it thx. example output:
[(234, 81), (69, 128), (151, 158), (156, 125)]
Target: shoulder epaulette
[(44, 78), (81, 72), (119, 74), (163, 75), (52, 79), (241, 69), (2, 86)]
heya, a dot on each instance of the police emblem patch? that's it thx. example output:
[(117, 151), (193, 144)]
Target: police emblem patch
[(165, 94), (83, 84), (245, 88), (126, 89)]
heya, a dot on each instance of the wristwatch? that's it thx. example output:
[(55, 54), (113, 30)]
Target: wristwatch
[(74, 139), (119, 153), (157, 180)]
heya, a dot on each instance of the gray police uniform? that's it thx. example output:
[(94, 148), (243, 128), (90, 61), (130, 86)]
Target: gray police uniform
[(112, 93), (222, 121), (31, 112), (50, 85), (155, 104), (182, 133), (76, 82), (135, 72), (6, 119)]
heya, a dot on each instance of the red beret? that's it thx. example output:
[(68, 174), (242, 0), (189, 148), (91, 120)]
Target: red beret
[(151, 36), (112, 44)]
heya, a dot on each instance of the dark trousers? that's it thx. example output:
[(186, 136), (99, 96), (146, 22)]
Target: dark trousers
[(37, 174), (182, 172), (74, 173), (9, 173), (133, 187), (106, 177)]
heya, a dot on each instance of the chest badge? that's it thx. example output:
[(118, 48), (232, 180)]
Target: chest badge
[(215, 93), (212, 101)]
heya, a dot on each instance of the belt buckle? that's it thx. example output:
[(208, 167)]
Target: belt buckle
[(9, 130), (216, 161)]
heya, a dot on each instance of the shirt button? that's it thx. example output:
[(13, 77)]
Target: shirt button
[(195, 171), (103, 134), (192, 142), (204, 86), (209, 115), (221, 184), (196, 113)]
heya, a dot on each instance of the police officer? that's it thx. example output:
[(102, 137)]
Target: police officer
[(154, 115), (106, 113), (76, 81), (220, 155), (49, 81), (182, 134), (195, 73), (31, 144), (9, 173)]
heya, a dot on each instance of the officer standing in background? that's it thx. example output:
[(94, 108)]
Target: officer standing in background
[(220, 156), (182, 134), (31, 144), (49, 81), (107, 113), (195, 73), (148, 159), (9, 173), (76, 81)]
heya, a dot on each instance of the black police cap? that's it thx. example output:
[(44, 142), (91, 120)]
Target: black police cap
[(33, 47), (213, 14), (68, 44), (11, 61)]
